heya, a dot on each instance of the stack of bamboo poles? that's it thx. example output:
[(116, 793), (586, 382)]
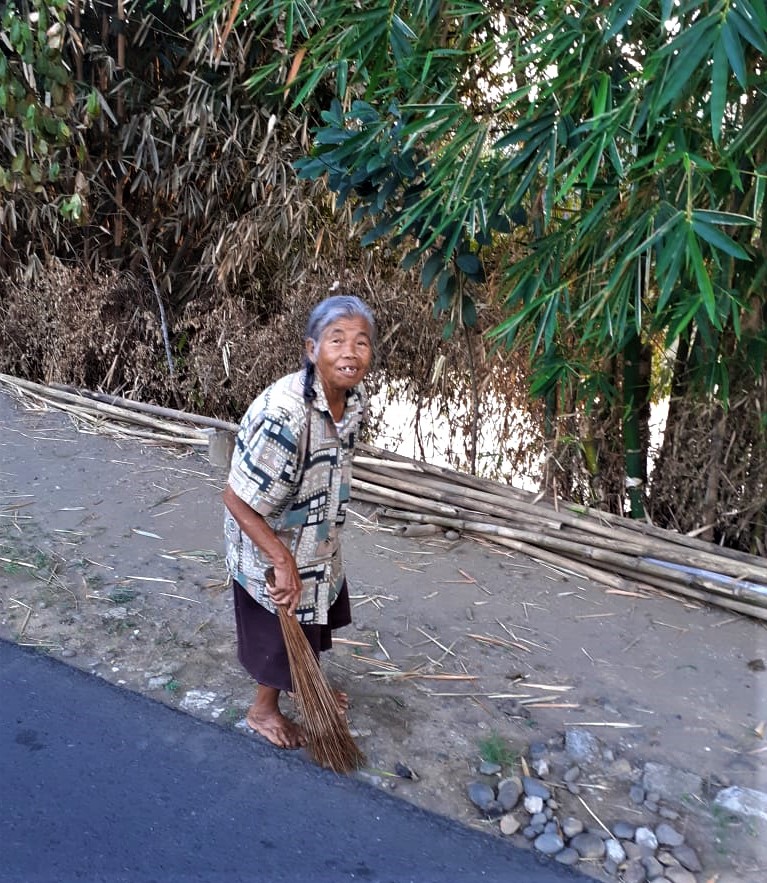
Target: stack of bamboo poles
[(620, 553), (617, 552)]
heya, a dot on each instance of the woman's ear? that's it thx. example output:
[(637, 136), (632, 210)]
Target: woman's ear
[(309, 347)]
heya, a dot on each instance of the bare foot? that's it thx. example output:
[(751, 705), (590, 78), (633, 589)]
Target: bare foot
[(276, 728)]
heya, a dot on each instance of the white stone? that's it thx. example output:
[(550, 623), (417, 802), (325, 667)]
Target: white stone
[(646, 837), (509, 824), (197, 700), (534, 805), (743, 802)]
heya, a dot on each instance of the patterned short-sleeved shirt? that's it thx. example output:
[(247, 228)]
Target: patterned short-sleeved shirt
[(292, 465)]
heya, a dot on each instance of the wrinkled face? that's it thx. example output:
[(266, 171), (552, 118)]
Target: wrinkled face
[(343, 355)]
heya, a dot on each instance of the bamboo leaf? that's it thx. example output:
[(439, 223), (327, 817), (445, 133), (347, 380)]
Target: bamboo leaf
[(706, 289), (734, 49), (719, 240)]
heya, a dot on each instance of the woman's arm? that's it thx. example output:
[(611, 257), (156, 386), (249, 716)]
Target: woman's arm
[(287, 581)]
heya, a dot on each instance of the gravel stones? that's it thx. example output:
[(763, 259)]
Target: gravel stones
[(509, 824), (582, 746), (679, 875), (534, 805), (509, 792), (481, 795), (588, 846), (624, 830), (535, 788), (671, 783), (571, 827), (688, 858), (489, 769), (645, 838), (652, 852), (668, 835), (549, 844), (614, 851)]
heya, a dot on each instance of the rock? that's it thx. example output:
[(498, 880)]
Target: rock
[(636, 795), (632, 850), (610, 867), (533, 805), (615, 852), (688, 858), (68, 653), (572, 775), (634, 872), (668, 835), (159, 682), (620, 769), (530, 832), (551, 828), (486, 768), (743, 802), (539, 819), (452, 535), (537, 750), (197, 700), (588, 845), (653, 867), (666, 859), (115, 613), (624, 830), (541, 766), (671, 783), (509, 792), (535, 788), (679, 875), (509, 824), (645, 838), (571, 827), (567, 857), (650, 806), (582, 746), (481, 795), (549, 844), (573, 787)]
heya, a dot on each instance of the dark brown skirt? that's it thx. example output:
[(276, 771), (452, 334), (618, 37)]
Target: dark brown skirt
[(260, 646)]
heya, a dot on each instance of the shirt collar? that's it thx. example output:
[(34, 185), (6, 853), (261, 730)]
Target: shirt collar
[(321, 401)]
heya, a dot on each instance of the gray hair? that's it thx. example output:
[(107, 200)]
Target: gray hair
[(339, 306)]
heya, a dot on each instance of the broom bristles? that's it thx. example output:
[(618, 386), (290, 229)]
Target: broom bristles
[(330, 743)]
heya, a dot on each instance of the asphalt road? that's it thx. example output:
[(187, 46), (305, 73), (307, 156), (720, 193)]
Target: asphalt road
[(101, 784)]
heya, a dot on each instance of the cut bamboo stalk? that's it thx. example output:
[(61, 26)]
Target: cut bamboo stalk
[(132, 405), (469, 501), (54, 396)]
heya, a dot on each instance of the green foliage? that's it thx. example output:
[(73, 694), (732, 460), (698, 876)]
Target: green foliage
[(495, 749), (36, 94)]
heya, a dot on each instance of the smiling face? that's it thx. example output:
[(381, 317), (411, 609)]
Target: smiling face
[(342, 356)]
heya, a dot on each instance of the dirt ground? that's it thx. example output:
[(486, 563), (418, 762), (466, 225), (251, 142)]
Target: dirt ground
[(111, 559)]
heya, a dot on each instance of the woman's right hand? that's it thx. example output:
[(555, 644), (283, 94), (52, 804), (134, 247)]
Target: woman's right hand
[(287, 587)]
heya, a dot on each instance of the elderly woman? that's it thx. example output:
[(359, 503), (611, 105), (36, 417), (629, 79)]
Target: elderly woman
[(289, 484)]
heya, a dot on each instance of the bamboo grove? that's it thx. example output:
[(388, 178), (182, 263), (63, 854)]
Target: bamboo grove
[(578, 183)]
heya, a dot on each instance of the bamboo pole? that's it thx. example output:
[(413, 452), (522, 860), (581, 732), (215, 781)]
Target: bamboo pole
[(75, 402), (570, 551), (590, 531), (130, 404)]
